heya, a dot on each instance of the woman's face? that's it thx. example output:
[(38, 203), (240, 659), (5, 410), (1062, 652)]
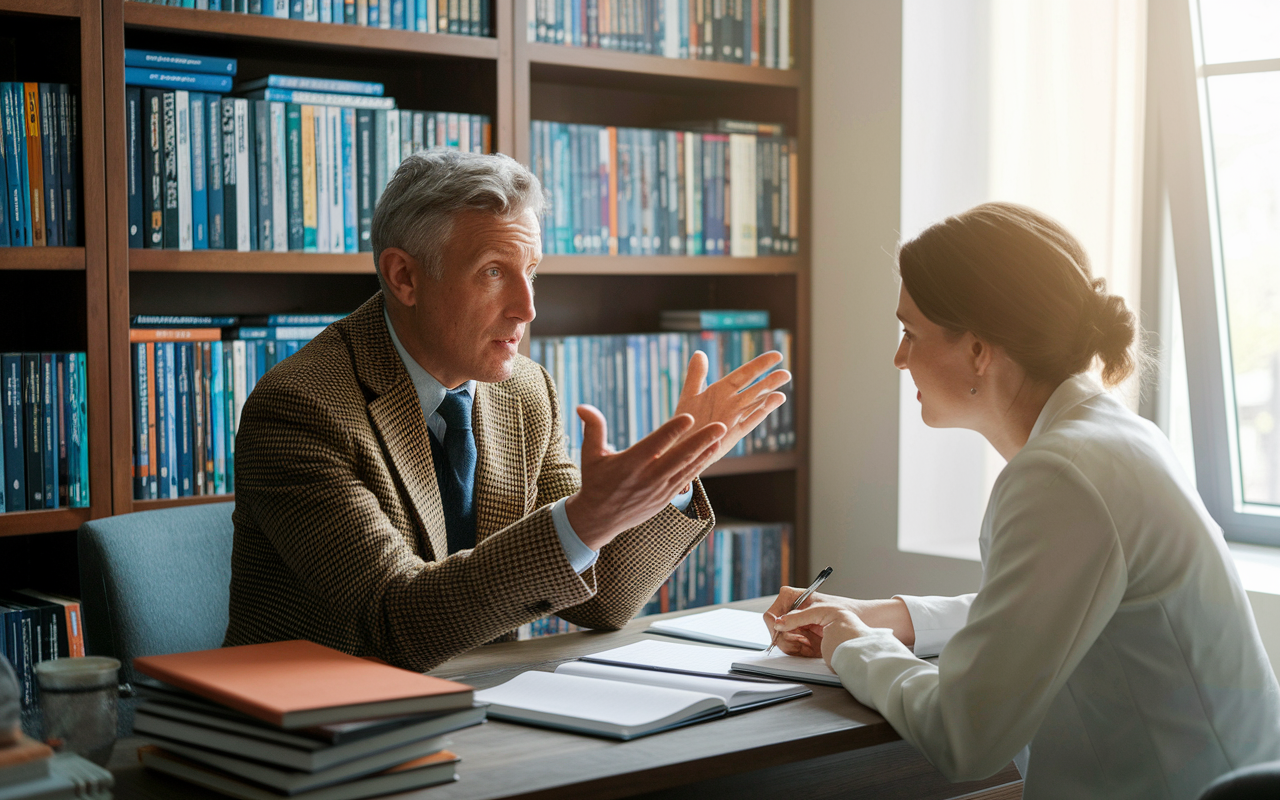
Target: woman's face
[(941, 364)]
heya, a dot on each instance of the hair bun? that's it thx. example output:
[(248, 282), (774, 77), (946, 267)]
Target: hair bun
[(1113, 329)]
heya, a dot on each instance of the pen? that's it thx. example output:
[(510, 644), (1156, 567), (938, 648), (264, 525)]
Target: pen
[(813, 587)]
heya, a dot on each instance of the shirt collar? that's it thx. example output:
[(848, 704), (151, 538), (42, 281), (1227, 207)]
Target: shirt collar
[(1069, 394), (430, 391)]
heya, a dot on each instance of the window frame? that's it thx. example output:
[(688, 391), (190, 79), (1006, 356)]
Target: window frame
[(1177, 81)]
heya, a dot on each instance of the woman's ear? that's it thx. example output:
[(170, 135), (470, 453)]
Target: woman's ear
[(980, 356)]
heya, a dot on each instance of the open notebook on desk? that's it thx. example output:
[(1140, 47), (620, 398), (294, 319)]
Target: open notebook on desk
[(623, 702), (726, 626), (715, 661)]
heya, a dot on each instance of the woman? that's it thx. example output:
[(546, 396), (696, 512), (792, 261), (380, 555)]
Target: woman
[(1111, 633)]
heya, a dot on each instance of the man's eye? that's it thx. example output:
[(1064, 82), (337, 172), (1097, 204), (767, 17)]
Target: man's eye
[(493, 272)]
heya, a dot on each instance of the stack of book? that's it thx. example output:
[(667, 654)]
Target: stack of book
[(465, 18), (296, 163), (753, 32), (298, 719), (732, 190), (191, 377), (44, 416), (635, 380), (35, 627), (30, 770), (39, 165)]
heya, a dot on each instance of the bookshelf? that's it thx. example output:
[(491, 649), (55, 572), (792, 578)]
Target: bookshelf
[(62, 289), (506, 77)]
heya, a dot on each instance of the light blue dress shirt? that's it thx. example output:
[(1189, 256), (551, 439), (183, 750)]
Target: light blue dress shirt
[(431, 393)]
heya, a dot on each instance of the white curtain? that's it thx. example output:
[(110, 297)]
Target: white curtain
[(1030, 101)]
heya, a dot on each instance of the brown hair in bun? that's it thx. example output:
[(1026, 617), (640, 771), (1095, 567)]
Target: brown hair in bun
[(1016, 278)]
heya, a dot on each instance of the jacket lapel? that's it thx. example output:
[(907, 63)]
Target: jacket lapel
[(396, 415), (502, 484)]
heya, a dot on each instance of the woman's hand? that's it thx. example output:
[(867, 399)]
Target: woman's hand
[(824, 623), (807, 640)]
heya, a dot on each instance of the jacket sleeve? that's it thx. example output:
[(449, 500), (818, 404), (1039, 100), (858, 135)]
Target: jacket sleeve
[(299, 483), (1055, 575), (634, 565), (936, 620)]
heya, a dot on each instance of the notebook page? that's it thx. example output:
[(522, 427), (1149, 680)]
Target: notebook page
[(653, 654), (736, 693), (780, 665), (723, 626)]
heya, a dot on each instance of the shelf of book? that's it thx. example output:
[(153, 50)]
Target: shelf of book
[(311, 34), (651, 67), (55, 8), (669, 265), (54, 258), (48, 520), (253, 261)]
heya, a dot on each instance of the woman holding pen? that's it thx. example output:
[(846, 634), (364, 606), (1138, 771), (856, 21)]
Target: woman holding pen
[(1111, 648)]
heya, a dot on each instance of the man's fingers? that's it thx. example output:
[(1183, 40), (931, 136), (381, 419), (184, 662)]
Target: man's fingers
[(748, 372), (689, 451), (769, 383), (696, 465), (758, 413), (594, 430), (661, 440), (695, 376)]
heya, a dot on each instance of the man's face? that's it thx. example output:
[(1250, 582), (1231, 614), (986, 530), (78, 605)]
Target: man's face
[(472, 319)]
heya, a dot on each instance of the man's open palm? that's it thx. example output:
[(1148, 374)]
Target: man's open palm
[(740, 400)]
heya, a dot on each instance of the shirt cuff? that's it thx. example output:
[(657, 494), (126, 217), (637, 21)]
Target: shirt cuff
[(682, 500), (581, 557), (936, 620)]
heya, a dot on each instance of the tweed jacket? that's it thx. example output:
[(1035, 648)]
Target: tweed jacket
[(340, 533)]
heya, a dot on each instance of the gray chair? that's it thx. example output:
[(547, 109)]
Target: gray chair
[(1258, 782), (156, 582)]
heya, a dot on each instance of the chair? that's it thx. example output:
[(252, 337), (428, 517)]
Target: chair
[(156, 582), (1247, 783)]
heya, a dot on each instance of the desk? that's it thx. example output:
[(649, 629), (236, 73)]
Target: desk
[(824, 745)]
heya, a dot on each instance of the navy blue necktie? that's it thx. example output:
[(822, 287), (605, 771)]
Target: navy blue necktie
[(457, 477)]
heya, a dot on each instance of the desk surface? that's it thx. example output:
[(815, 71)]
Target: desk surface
[(504, 760)]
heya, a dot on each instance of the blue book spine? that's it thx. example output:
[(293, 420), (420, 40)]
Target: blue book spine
[(191, 81), (214, 201), (153, 60), (69, 161), (229, 414), (49, 427), (133, 156), (199, 173), (15, 141), (161, 458), (326, 12), (259, 360), (63, 410), (71, 432), (49, 146), (321, 98), (308, 84), (5, 157), (260, 144), (170, 485), (295, 9), (82, 425), (141, 422), (397, 14), (11, 418), (217, 418), (182, 380), (250, 367), (350, 211)]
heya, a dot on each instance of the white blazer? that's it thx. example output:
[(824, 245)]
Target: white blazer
[(1111, 632)]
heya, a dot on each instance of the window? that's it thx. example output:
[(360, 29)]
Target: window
[(1216, 78)]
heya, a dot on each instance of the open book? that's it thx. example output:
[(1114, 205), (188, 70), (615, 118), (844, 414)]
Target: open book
[(693, 659), (623, 703)]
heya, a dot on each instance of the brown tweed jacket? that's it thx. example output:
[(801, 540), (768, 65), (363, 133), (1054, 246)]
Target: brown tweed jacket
[(339, 532)]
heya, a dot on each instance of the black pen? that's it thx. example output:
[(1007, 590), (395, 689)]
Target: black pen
[(813, 587)]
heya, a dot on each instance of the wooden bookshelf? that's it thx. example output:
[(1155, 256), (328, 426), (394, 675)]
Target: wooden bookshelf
[(506, 77), (62, 290)]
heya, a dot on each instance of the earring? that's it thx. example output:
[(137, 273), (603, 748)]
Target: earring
[(974, 390)]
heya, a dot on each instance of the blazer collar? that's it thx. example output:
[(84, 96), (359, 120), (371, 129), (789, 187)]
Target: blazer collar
[(396, 411), (1069, 394)]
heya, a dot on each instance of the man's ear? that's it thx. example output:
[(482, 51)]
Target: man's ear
[(400, 274)]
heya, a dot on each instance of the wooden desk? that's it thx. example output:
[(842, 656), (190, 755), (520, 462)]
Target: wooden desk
[(824, 745)]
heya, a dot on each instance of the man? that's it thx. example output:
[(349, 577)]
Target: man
[(402, 486)]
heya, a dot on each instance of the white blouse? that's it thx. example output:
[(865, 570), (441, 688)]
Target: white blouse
[(1111, 632)]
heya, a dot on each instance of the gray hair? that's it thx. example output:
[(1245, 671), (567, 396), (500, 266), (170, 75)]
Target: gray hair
[(430, 188)]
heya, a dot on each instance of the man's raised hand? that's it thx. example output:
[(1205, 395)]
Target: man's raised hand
[(738, 401), (622, 490)]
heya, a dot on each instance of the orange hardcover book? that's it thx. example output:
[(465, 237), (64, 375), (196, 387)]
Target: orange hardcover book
[(297, 684), (175, 334), (71, 618), (35, 161)]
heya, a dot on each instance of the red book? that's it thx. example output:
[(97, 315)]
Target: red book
[(298, 684)]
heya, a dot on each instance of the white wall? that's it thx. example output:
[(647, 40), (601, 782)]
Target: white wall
[(857, 138)]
